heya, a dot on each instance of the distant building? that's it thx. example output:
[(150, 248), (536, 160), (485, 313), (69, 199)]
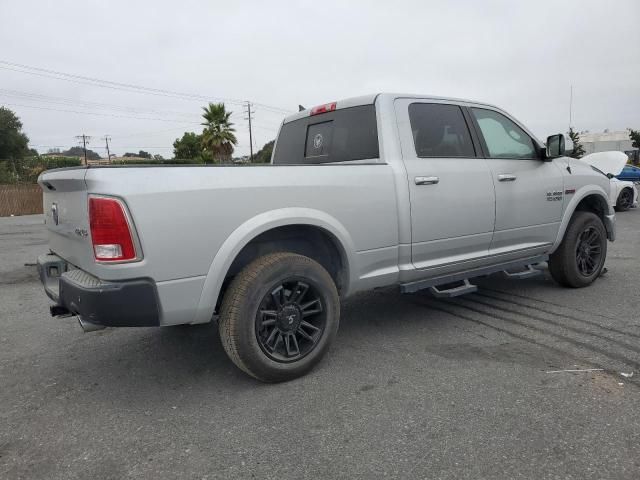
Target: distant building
[(243, 159), (606, 141), (100, 161), (128, 159), (58, 154)]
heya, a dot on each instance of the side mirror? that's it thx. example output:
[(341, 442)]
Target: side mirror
[(555, 146)]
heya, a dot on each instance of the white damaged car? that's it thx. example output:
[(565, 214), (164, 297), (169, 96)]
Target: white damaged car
[(623, 195)]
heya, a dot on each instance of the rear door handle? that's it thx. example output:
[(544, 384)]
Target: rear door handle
[(506, 177), (426, 180)]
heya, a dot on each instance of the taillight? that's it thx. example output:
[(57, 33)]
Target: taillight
[(110, 231), (327, 107)]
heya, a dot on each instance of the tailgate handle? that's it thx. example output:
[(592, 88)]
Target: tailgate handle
[(506, 177), (426, 180)]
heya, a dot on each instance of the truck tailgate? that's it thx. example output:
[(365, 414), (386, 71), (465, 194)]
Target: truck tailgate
[(66, 215)]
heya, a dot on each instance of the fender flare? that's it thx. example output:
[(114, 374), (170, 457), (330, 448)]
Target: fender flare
[(570, 209), (253, 227)]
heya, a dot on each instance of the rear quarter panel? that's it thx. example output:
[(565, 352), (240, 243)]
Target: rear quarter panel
[(185, 215)]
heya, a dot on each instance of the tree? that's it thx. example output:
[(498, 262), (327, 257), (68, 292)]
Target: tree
[(79, 152), (158, 158), (634, 136), (578, 149), (218, 138), (189, 147), (143, 154), (264, 154), (13, 143)]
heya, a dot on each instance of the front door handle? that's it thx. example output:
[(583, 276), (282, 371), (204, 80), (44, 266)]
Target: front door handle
[(506, 177), (426, 180)]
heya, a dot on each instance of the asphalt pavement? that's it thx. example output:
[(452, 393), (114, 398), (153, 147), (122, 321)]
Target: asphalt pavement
[(478, 387)]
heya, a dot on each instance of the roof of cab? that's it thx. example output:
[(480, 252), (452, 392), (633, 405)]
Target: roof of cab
[(371, 98)]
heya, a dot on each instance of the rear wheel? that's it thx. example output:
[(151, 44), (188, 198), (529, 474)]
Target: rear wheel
[(580, 257), (624, 201), (279, 316)]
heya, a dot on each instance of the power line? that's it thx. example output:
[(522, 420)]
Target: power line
[(81, 103), (151, 134), (102, 114), (17, 67), (118, 146)]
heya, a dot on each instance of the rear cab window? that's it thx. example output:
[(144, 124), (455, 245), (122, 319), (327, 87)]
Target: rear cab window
[(342, 135)]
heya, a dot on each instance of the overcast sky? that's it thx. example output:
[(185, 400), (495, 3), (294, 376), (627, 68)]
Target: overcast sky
[(522, 56)]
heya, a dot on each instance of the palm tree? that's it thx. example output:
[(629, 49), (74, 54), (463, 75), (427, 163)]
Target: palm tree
[(218, 138)]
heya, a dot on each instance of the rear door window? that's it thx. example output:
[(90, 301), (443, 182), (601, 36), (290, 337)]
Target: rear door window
[(440, 130), (342, 135)]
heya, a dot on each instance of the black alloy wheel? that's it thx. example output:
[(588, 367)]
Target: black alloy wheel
[(588, 251), (580, 257), (290, 320), (279, 316), (625, 199)]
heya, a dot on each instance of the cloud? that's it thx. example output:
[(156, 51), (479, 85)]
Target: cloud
[(522, 56)]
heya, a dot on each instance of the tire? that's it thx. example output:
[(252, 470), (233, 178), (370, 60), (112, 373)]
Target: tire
[(624, 200), (279, 316), (567, 264)]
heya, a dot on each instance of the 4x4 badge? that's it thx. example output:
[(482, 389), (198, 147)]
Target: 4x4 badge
[(554, 196)]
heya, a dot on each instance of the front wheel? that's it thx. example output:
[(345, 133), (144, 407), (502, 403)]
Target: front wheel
[(279, 316), (625, 200), (579, 259)]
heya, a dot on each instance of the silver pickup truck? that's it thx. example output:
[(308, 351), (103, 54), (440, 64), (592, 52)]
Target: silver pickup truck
[(416, 191)]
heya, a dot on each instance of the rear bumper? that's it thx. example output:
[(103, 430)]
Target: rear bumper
[(132, 303)]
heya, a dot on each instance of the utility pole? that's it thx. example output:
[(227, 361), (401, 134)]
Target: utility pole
[(85, 140), (106, 140), (249, 117), (570, 107)]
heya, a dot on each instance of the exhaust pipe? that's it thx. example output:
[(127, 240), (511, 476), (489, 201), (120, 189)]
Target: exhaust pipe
[(88, 326)]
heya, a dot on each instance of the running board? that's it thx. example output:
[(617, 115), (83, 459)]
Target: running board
[(525, 263), (528, 272), (463, 289)]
